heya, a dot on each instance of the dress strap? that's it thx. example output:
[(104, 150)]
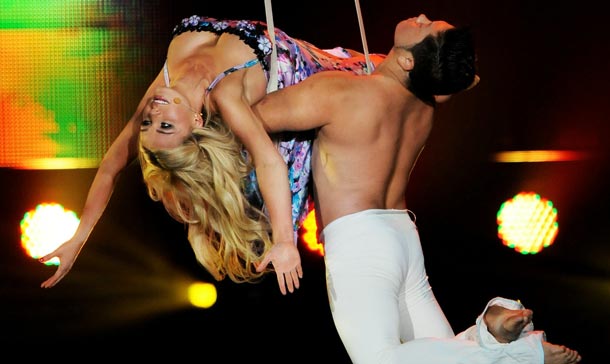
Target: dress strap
[(166, 74), (248, 64)]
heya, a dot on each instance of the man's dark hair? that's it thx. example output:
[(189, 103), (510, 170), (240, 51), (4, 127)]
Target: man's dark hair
[(444, 64)]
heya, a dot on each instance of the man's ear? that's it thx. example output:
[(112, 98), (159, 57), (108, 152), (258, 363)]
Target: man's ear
[(406, 62)]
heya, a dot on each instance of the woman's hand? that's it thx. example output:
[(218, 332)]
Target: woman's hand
[(286, 262), (67, 253)]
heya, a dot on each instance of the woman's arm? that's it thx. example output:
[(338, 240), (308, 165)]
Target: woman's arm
[(122, 151), (272, 175)]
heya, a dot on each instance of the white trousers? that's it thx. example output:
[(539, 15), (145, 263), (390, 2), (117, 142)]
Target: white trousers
[(383, 306)]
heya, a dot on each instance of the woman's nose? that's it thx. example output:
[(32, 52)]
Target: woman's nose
[(154, 107)]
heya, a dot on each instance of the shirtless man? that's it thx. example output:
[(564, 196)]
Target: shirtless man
[(370, 132)]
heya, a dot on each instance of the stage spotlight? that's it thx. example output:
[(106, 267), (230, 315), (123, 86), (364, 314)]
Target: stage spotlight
[(202, 294), (45, 228), (527, 223)]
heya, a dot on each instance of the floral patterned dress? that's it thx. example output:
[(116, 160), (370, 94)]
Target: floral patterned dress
[(297, 60)]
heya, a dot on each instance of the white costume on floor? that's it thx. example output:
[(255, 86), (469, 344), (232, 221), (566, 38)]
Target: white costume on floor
[(384, 308)]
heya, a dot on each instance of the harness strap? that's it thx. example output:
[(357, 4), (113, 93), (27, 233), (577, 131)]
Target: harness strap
[(273, 66), (369, 65)]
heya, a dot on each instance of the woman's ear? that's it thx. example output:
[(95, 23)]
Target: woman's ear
[(198, 120)]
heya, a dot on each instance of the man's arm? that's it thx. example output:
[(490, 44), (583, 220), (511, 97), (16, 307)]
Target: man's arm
[(303, 106)]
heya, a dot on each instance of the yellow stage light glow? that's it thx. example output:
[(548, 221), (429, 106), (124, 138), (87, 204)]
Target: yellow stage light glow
[(202, 294), (45, 228), (527, 223), (310, 234), (529, 156)]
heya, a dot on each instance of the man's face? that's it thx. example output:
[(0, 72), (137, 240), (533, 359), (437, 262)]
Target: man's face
[(413, 30)]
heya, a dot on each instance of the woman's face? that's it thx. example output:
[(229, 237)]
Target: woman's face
[(167, 120)]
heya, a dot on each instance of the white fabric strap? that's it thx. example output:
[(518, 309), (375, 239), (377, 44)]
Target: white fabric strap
[(273, 67), (369, 65)]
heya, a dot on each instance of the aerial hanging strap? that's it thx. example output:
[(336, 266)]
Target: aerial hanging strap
[(369, 65), (273, 67)]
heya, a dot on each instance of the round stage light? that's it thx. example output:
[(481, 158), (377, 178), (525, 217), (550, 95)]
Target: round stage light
[(45, 228), (202, 294), (527, 223)]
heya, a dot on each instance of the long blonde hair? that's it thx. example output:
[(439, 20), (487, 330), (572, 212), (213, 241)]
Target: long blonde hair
[(200, 183)]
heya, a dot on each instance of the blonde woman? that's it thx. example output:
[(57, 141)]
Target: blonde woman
[(208, 160)]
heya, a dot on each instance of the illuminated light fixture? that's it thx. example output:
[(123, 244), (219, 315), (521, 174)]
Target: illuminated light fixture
[(202, 294), (45, 228), (524, 156), (59, 163), (527, 223), (310, 235)]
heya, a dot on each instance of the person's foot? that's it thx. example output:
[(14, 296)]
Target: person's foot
[(559, 354), (505, 324)]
